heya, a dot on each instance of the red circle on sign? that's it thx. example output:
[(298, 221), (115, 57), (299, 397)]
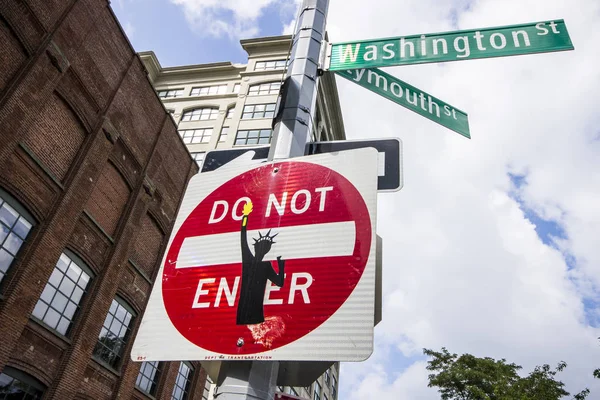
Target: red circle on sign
[(315, 195)]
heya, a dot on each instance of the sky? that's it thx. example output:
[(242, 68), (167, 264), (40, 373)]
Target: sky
[(492, 245)]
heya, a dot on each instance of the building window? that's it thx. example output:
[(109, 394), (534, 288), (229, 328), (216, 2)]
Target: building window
[(61, 297), (200, 114), (167, 94), (223, 135), (14, 228), (259, 111), (236, 88), (148, 377), (15, 384), (194, 136), (317, 393), (325, 396), (209, 90), (265, 65), (230, 112), (290, 390), (262, 136), (198, 157), (334, 388), (207, 386), (327, 378), (183, 381), (264, 88), (114, 334)]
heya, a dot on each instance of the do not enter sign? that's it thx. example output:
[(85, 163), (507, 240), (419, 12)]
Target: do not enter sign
[(275, 263)]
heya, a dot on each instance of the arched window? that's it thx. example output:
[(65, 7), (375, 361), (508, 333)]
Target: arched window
[(15, 384), (264, 88), (183, 382), (114, 334), (59, 302), (200, 114), (15, 225), (147, 379)]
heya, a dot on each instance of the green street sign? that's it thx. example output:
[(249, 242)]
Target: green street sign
[(536, 37), (410, 97)]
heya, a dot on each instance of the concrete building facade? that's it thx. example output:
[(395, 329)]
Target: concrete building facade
[(226, 105), (92, 172)]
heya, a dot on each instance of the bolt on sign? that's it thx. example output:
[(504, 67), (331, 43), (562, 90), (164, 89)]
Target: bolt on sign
[(537, 37), (269, 262)]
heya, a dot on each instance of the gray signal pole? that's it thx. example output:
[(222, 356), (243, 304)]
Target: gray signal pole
[(298, 102), (256, 380)]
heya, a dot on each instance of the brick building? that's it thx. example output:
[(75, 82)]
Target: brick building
[(92, 171)]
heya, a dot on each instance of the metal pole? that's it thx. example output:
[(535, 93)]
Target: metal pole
[(256, 380), (297, 107)]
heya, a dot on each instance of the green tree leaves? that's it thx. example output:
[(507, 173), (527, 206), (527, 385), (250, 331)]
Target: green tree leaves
[(467, 377)]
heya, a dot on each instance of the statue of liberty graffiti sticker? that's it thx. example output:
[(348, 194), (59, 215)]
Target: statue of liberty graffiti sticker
[(255, 274)]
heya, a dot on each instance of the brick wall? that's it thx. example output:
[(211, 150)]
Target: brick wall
[(147, 245), (89, 152), (108, 199), (57, 136), (12, 55)]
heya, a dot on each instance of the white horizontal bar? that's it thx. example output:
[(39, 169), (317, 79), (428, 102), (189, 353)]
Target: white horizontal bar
[(292, 242)]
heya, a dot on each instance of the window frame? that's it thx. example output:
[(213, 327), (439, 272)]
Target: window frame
[(247, 137), (317, 390), (207, 384), (195, 156), (190, 113), (64, 275), (188, 384), (270, 91), (10, 201), (269, 65), (23, 377), (154, 381), (223, 134), (199, 132), (265, 108), (220, 89), (334, 384), (178, 93), (119, 356)]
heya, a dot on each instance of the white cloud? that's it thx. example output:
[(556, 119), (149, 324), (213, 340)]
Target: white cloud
[(463, 266), (290, 10), (233, 18), (129, 29), (378, 384)]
